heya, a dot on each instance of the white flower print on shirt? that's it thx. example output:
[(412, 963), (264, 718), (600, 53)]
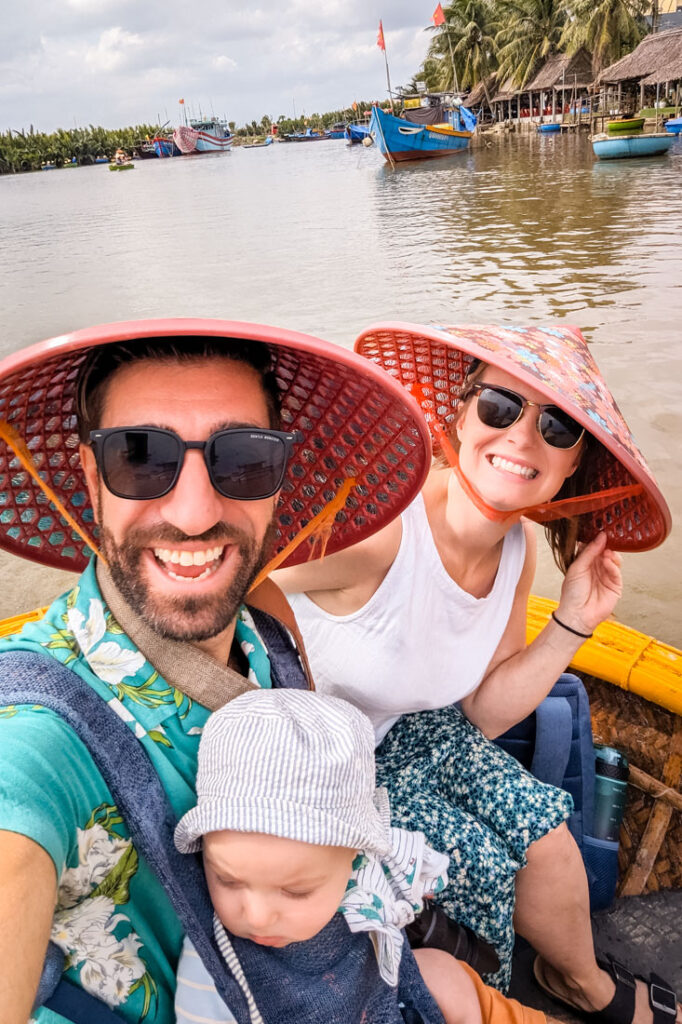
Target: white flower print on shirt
[(111, 662)]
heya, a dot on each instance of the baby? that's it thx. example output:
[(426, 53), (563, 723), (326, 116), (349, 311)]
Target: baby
[(293, 834)]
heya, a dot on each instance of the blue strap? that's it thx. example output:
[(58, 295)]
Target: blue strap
[(553, 734), (77, 1006)]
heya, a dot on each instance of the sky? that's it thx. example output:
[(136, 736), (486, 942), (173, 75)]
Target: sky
[(120, 62)]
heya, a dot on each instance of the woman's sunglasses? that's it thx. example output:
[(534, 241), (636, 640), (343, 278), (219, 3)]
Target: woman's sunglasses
[(145, 462), (500, 408)]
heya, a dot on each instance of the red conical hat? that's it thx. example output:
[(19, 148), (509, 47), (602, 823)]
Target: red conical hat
[(355, 422), (432, 362)]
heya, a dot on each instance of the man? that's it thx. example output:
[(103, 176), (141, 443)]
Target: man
[(182, 465)]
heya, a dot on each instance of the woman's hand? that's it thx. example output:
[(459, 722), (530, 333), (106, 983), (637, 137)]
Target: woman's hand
[(592, 586)]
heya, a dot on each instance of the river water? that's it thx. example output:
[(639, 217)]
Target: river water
[(325, 238)]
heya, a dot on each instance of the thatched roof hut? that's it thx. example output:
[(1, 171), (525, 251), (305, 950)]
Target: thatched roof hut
[(658, 58), (477, 95), (563, 71), (507, 91)]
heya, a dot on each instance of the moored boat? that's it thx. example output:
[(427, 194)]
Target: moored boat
[(674, 125), (626, 124), (616, 147), (164, 146), (338, 130), (257, 145), (307, 136), (550, 128), (357, 132), (203, 137), (145, 150), (122, 167), (401, 139)]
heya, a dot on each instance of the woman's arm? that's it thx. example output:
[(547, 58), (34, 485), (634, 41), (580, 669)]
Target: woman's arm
[(343, 582), (520, 677)]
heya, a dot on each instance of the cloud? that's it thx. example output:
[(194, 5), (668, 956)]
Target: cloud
[(112, 49), (116, 62)]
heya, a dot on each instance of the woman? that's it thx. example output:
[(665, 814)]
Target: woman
[(431, 611)]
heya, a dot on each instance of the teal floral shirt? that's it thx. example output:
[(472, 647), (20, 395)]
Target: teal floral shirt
[(113, 921)]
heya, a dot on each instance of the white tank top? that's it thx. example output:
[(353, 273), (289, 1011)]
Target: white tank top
[(420, 641)]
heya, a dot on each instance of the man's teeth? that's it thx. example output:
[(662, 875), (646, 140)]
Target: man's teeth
[(527, 472), (189, 557)]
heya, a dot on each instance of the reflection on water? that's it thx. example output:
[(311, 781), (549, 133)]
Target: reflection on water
[(327, 239)]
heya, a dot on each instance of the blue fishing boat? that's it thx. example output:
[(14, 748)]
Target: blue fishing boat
[(674, 125), (616, 147), (338, 130), (401, 138), (357, 132), (550, 128), (164, 146)]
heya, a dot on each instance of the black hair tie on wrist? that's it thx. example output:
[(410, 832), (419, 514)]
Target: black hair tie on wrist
[(585, 636)]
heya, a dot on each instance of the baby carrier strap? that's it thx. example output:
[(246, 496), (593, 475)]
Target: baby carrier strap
[(268, 598), (27, 677), (285, 663)]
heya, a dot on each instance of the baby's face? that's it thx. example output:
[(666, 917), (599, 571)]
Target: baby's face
[(272, 890)]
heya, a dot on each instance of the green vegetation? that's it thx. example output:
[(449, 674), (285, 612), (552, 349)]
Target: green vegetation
[(515, 37), (29, 151)]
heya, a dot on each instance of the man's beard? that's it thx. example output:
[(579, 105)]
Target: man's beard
[(190, 618)]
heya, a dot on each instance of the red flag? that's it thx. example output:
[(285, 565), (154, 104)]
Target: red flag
[(380, 37), (438, 17), (181, 101)]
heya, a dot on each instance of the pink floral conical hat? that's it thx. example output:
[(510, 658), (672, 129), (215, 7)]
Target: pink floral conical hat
[(432, 363), (364, 452)]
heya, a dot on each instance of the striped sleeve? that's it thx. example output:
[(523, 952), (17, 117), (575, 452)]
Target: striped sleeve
[(196, 998)]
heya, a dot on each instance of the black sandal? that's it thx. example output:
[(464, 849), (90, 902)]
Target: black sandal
[(621, 1009)]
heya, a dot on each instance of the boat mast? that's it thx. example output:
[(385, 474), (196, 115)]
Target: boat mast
[(381, 43)]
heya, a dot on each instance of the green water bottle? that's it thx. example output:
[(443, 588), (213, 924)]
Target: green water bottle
[(610, 791)]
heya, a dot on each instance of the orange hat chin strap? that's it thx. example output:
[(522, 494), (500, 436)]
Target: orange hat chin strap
[(545, 512), (14, 441), (319, 528)]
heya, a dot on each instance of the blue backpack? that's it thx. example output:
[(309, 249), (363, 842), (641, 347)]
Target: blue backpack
[(555, 744)]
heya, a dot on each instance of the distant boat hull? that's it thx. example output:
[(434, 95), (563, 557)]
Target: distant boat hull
[(304, 137), (674, 126), (609, 147), (627, 124), (199, 140), (165, 147), (121, 167), (549, 129), (357, 132), (401, 140)]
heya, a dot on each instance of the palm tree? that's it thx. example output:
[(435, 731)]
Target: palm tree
[(468, 37), (475, 51), (607, 28), (530, 31)]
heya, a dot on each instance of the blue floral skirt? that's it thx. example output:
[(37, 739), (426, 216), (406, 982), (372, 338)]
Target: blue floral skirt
[(476, 803)]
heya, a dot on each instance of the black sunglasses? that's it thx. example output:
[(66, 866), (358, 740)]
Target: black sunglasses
[(500, 408), (141, 463)]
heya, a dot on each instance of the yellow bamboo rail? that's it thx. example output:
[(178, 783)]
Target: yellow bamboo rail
[(622, 656)]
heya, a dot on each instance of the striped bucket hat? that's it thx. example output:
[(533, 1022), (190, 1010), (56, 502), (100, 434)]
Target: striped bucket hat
[(315, 784), (363, 456), (432, 364)]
